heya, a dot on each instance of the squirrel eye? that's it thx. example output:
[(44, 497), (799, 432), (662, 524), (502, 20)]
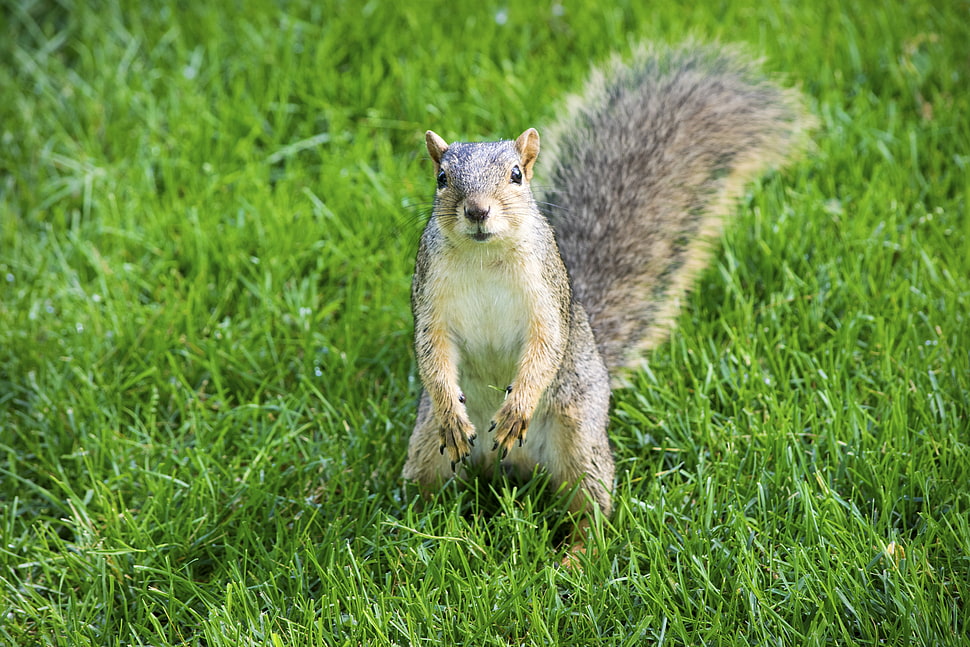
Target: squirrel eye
[(516, 176), (442, 180)]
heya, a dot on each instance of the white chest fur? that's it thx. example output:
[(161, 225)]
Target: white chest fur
[(487, 302)]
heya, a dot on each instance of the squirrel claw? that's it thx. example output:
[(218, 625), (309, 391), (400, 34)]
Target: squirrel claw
[(509, 428), (456, 441)]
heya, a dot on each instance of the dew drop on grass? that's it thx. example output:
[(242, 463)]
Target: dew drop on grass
[(9, 277), (318, 371), (501, 16)]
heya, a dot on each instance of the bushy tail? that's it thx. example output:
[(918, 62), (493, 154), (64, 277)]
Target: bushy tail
[(646, 164)]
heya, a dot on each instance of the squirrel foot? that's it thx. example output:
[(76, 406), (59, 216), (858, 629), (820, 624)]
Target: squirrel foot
[(458, 438), (510, 425)]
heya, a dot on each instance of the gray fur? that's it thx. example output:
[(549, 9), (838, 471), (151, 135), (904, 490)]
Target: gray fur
[(644, 167)]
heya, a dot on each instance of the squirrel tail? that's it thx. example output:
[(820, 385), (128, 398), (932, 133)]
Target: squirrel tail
[(647, 162)]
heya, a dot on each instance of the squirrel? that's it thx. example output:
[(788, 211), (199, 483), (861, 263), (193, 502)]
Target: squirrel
[(526, 318)]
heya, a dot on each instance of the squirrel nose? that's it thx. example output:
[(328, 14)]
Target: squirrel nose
[(476, 212)]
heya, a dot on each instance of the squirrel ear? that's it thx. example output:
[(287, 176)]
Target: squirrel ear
[(436, 146), (528, 146)]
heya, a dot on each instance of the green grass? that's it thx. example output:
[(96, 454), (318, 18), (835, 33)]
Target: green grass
[(208, 214)]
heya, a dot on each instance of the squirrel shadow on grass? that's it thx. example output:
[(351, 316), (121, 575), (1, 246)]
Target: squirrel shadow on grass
[(504, 505)]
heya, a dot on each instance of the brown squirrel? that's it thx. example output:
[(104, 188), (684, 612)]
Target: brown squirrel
[(523, 320)]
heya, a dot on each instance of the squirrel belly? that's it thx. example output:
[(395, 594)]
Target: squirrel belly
[(489, 310), (523, 319)]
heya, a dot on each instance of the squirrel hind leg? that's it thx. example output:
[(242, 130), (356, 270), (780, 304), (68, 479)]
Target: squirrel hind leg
[(583, 478), (426, 466), (582, 508)]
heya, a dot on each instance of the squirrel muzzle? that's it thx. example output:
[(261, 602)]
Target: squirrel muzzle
[(476, 212), (476, 215)]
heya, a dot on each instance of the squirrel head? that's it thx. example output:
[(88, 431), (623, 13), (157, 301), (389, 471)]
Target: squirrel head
[(483, 188)]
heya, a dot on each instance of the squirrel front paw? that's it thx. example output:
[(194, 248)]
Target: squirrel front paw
[(510, 425), (457, 437)]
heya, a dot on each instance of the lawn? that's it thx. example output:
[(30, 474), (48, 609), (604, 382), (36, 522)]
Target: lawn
[(208, 218)]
